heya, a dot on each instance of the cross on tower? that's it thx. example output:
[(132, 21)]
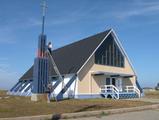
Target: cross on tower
[(44, 7)]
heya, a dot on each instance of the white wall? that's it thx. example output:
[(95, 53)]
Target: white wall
[(71, 90)]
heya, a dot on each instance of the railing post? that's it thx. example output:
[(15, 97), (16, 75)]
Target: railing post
[(127, 89), (112, 89)]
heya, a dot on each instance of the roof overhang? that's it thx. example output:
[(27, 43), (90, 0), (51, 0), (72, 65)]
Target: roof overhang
[(112, 74)]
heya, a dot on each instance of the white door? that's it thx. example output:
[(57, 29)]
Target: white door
[(119, 83), (111, 81)]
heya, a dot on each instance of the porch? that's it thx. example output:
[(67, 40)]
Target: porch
[(110, 91), (116, 85)]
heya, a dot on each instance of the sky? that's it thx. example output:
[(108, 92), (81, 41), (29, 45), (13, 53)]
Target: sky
[(136, 22)]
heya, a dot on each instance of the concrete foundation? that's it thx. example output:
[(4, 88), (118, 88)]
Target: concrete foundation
[(40, 97)]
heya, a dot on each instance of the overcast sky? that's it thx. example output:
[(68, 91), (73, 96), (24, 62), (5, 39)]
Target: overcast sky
[(136, 23)]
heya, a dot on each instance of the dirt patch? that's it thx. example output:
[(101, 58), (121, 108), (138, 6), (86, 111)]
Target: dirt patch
[(152, 94)]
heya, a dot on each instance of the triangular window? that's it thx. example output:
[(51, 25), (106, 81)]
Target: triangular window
[(109, 53)]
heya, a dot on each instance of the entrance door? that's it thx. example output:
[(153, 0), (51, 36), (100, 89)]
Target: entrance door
[(111, 81), (119, 84)]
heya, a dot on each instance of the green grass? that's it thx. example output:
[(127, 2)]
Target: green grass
[(22, 106)]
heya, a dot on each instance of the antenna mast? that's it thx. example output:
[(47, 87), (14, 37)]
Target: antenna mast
[(44, 7), (40, 71)]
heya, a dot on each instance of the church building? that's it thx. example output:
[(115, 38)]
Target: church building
[(94, 67)]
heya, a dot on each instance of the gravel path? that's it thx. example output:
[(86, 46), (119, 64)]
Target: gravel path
[(143, 115)]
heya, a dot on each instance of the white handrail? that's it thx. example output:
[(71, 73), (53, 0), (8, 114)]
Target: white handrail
[(112, 88), (133, 89), (137, 91)]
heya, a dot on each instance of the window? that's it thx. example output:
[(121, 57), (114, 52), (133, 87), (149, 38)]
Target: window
[(108, 81), (109, 54)]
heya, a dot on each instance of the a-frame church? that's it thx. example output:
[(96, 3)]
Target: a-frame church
[(94, 67)]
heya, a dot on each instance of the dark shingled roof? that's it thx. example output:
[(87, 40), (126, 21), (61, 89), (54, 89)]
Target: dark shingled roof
[(70, 58)]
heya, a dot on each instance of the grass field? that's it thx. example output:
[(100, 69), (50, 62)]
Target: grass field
[(152, 94), (3, 93), (22, 106)]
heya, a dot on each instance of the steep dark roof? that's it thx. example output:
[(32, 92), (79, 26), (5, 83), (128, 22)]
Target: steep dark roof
[(70, 58)]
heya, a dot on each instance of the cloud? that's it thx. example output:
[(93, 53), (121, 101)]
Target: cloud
[(139, 8), (66, 17), (94, 13), (9, 32)]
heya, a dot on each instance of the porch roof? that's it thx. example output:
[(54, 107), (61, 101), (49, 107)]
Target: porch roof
[(112, 74)]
